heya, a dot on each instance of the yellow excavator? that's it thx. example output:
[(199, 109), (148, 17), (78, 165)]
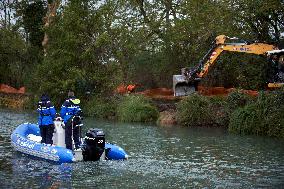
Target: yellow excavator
[(187, 82)]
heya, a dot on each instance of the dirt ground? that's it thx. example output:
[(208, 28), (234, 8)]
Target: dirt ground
[(159, 93), (168, 94)]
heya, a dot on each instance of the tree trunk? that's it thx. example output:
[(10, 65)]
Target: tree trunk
[(51, 13)]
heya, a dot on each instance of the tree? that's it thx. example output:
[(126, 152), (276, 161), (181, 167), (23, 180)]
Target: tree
[(260, 19), (7, 13), (52, 6), (95, 45), (33, 14), (78, 55), (12, 58)]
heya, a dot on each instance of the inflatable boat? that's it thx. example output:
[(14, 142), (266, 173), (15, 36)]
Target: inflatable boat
[(26, 139)]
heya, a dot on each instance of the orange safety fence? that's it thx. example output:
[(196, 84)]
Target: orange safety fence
[(8, 89)]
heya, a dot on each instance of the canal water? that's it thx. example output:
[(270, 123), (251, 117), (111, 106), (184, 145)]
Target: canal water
[(160, 157)]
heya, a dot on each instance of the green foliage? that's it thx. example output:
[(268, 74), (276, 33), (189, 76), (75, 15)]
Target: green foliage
[(77, 57), (12, 58), (30, 103), (95, 45), (100, 107), (263, 20), (135, 108), (264, 117), (244, 120), (33, 14), (239, 70), (217, 107), (194, 110), (19, 55), (237, 99)]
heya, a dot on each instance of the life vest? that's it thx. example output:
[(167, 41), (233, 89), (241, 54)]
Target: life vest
[(46, 112), (70, 108)]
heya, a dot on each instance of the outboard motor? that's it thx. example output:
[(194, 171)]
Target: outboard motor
[(94, 145)]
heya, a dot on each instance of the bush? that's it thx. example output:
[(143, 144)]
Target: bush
[(135, 108), (245, 120), (237, 99), (30, 102), (264, 117), (194, 110), (100, 108), (218, 107)]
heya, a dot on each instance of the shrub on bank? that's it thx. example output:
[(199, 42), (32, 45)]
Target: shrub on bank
[(100, 107), (136, 108), (218, 110), (198, 110), (31, 102), (12, 101), (264, 117), (236, 99), (194, 110)]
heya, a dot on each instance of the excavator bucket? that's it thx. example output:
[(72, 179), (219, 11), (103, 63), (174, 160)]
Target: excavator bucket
[(181, 87)]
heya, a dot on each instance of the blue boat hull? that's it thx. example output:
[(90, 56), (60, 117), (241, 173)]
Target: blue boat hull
[(54, 153)]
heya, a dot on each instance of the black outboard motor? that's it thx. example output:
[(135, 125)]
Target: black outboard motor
[(94, 145)]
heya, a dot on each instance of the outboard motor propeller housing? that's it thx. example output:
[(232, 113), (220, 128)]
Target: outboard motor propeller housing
[(94, 145)]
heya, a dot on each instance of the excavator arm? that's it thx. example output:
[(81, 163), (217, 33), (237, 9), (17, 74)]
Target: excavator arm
[(187, 82)]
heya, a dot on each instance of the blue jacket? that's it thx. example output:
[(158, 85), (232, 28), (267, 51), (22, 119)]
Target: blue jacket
[(70, 108), (46, 111)]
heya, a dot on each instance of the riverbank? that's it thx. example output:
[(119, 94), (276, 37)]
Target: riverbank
[(238, 112), (14, 100)]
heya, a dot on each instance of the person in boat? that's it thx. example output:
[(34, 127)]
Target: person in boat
[(71, 114), (47, 113)]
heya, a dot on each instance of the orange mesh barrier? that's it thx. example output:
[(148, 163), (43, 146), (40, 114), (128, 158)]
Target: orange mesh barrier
[(8, 89)]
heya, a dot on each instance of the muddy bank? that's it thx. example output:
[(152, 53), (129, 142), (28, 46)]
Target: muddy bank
[(167, 117), (167, 110)]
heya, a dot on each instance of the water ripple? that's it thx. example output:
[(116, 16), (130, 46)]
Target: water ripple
[(172, 157)]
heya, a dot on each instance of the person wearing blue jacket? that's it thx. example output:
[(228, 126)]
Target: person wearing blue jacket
[(46, 116), (71, 114)]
